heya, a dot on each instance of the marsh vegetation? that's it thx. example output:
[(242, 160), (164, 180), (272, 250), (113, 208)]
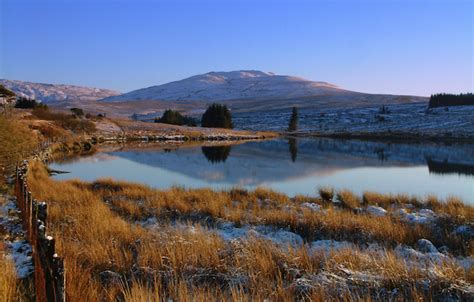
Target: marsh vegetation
[(140, 243)]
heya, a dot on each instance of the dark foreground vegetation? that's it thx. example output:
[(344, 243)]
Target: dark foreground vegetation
[(446, 99)]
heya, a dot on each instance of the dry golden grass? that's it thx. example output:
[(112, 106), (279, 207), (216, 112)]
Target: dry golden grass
[(16, 140), (9, 287), (326, 193), (348, 199), (183, 260)]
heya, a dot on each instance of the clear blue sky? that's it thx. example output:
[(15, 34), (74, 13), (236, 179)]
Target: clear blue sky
[(402, 47)]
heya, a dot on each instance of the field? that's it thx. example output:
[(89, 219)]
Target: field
[(127, 241)]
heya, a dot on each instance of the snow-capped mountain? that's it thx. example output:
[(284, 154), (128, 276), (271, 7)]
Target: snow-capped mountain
[(52, 93), (233, 85)]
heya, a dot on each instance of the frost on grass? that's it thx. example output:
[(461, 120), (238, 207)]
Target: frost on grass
[(18, 249), (20, 253)]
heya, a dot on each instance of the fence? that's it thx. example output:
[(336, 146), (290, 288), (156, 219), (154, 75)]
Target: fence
[(49, 275)]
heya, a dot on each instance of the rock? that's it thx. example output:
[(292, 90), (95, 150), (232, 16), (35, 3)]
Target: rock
[(110, 277), (425, 246)]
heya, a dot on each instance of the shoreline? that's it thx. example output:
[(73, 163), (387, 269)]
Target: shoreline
[(402, 137)]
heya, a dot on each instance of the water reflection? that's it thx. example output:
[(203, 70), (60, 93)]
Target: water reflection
[(445, 167), (293, 148), (216, 154), (293, 166)]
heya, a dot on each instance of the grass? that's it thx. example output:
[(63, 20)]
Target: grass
[(16, 141), (185, 260), (9, 286), (65, 121)]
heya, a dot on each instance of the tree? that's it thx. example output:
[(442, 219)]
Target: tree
[(293, 124), (7, 98), (217, 116), (171, 117), (446, 99), (25, 103)]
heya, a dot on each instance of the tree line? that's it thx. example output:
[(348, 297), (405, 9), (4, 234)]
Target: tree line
[(447, 99), (215, 116)]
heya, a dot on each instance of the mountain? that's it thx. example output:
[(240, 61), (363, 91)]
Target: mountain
[(233, 85), (52, 93)]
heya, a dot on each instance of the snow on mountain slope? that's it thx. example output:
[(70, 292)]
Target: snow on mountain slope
[(233, 85), (52, 93)]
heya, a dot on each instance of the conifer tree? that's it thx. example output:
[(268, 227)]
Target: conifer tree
[(217, 116), (293, 124)]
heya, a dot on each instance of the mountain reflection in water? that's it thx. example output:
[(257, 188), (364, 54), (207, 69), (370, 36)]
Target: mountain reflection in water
[(294, 166)]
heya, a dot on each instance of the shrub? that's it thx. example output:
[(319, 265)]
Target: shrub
[(217, 116), (77, 112), (26, 103), (326, 193), (348, 199)]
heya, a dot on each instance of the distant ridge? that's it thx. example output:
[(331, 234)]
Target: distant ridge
[(233, 85), (54, 93)]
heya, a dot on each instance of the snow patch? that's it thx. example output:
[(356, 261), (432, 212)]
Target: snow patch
[(21, 256), (423, 216), (376, 211), (313, 206)]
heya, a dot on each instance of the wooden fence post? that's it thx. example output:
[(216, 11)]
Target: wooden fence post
[(50, 282)]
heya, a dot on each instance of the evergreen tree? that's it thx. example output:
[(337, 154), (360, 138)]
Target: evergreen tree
[(293, 124), (171, 117), (446, 99), (217, 116), (175, 118)]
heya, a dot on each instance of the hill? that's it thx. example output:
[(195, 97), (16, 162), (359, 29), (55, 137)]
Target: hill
[(233, 85), (54, 93)]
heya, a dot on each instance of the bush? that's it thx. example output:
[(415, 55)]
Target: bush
[(77, 112), (326, 193), (26, 103), (217, 116)]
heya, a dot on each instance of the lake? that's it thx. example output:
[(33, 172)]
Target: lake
[(292, 166)]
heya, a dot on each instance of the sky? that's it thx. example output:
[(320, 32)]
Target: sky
[(413, 47)]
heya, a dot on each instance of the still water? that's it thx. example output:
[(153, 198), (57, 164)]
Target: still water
[(292, 166)]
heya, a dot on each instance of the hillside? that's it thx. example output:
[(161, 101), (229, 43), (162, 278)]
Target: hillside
[(54, 93), (233, 85)]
